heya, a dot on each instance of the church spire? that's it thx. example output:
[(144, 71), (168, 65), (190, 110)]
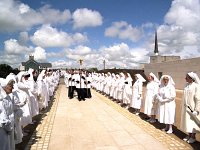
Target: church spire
[(156, 44)]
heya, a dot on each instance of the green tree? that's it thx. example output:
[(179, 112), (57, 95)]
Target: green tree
[(92, 69), (5, 70)]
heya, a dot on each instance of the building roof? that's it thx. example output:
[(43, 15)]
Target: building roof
[(45, 65), (42, 65)]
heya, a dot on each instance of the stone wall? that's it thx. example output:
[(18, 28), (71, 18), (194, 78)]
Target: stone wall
[(177, 69)]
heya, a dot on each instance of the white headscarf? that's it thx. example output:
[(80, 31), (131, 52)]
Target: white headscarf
[(140, 78), (4, 82), (155, 78), (194, 76), (30, 71), (171, 81), (12, 76), (129, 76)]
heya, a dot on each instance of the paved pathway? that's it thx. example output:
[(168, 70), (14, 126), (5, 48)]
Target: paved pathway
[(97, 124)]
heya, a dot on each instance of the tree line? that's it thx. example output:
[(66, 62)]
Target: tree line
[(6, 70)]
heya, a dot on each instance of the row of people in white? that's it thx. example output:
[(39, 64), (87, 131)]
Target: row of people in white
[(120, 88), (24, 101), (159, 99)]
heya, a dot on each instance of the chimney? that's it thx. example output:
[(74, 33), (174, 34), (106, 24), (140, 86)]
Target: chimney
[(31, 57)]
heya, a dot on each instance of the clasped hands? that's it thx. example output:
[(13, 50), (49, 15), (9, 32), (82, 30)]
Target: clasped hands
[(162, 99)]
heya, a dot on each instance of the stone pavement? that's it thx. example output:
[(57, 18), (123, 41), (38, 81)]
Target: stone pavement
[(97, 124)]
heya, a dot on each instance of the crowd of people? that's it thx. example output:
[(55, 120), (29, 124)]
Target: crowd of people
[(158, 98), (78, 81), (22, 97), (26, 94)]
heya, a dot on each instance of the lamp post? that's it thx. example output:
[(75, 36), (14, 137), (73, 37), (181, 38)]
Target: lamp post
[(104, 64)]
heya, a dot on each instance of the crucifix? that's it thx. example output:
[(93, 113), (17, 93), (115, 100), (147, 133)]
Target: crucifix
[(80, 62)]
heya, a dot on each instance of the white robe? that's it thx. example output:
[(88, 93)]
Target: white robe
[(6, 117), (127, 90), (136, 98), (149, 103), (120, 88), (166, 109), (191, 97), (26, 117)]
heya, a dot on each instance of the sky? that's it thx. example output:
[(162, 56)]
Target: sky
[(121, 32)]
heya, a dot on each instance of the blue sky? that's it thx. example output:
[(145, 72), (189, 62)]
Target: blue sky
[(118, 31)]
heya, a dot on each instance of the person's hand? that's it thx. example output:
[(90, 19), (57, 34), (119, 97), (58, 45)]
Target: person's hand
[(159, 98), (195, 113), (139, 96)]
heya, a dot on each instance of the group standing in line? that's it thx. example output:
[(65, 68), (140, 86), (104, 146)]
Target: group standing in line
[(22, 97), (159, 98)]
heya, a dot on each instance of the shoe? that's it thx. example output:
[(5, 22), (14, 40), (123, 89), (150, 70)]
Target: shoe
[(164, 129), (152, 121), (137, 113), (191, 140), (148, 120), (186, 138), (126, 107), (169, 131)]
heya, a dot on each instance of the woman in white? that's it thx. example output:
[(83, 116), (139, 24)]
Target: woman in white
[(113, 80), (120, 88), (149, 103), (115, 85), (42, 91), (191, 100), (6, 115), (24, 98), (32, 92), (137, 93), (18, 112), (127, 90), (166, 102)]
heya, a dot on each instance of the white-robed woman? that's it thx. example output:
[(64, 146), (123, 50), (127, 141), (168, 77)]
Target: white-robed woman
[(120, 88), (32, 92), (43, 96), (137, 93), (127, 90), (149, 102), (6, 115), (190, 102), (166, 102), (18, 112)]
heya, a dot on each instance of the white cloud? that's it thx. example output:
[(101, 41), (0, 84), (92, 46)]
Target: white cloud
[(62, 64), (180, 30), (115, 52), (48, 36), (16, 60), (13, 47), (54, 16), (39, 54), (184, 13), (23, 38), (15, 16), (124, 31), (79, 52), (86, 18)]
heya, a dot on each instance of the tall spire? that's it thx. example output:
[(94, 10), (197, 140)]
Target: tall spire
[(156, 44)]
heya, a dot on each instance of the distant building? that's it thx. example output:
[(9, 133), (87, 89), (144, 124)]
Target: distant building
[(173, 66), (31, 63)]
